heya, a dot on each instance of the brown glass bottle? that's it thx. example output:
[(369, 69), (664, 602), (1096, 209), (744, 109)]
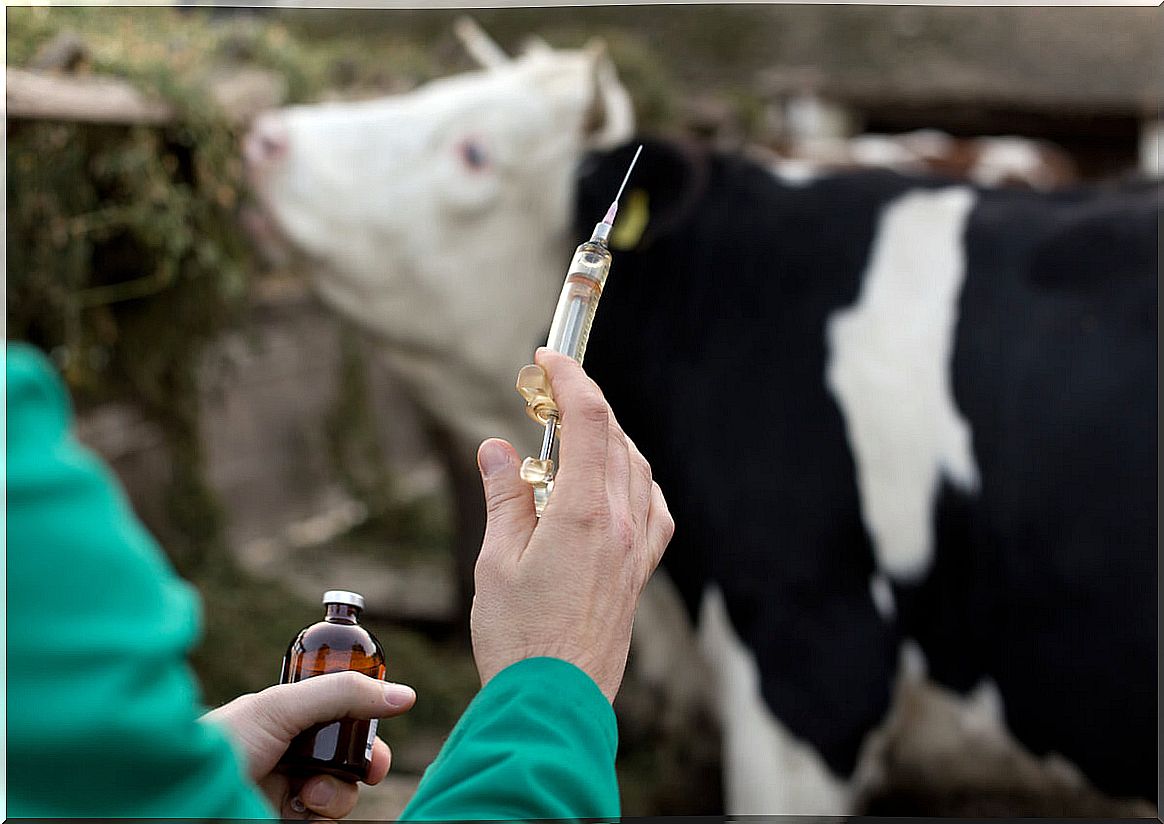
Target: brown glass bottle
[(337, 643)]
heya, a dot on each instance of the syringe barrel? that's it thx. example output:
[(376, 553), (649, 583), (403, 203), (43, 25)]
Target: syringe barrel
[(579, 299)]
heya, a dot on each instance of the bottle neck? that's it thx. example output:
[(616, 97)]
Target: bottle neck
[(342, 614)]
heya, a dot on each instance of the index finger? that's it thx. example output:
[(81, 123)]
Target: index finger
[(585, 421), (381, 761)]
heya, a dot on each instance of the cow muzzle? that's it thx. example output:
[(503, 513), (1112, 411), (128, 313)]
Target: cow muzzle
[(265, 145)]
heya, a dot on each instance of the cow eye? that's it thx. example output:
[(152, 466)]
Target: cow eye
[(473, 155)]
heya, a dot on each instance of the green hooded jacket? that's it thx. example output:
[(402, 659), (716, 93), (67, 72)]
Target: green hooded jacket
[(103, 708)]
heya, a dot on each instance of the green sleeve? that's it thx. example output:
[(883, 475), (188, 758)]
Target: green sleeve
[(102, 706), (537, 742)]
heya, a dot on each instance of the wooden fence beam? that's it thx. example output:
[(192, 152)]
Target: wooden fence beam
[(94, 99), (38, 96)]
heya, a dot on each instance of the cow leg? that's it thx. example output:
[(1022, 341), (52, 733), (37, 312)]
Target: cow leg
[(767, 770), (669, 741), (663, 635), (942, 753)]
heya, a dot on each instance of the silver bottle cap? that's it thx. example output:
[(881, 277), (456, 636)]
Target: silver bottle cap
[(342, 596)]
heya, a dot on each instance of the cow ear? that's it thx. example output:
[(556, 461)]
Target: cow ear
[(610, 118), (665, 189)]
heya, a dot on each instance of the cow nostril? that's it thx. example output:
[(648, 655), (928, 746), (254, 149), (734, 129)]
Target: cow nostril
[(267, 141)]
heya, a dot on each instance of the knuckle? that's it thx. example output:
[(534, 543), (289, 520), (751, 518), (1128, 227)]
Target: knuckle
[(623, 532), (642, 469), (501, 493), (269, 706), (630, 579), (500, 497), (668, 526), (666, 520), (593, 409), (636, 453), (241, 708), (351, 681), (486, 562), (491, 571), (591, 516)]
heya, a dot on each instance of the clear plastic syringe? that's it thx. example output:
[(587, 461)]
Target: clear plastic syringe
[(569, 333)]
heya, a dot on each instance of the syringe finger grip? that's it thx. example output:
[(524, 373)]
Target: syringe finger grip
[(534, 388), (537, 471)]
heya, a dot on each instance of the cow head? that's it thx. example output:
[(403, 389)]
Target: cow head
[(440, 219)]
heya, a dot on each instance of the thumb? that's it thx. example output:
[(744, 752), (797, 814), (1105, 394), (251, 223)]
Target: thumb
[(509, 504), (289, 709), (263, 724)]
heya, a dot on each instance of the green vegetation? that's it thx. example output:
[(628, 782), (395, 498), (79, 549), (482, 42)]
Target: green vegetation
[(126, 259), (125, 253), (123, 262)]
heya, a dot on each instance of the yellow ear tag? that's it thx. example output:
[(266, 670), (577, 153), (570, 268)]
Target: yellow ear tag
[(632, 221)]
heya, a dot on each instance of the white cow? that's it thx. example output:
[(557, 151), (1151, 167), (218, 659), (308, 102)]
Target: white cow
[(440, 218)]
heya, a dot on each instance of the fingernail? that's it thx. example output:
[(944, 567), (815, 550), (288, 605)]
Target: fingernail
[(493, 458), (398, 695), (320, 794)]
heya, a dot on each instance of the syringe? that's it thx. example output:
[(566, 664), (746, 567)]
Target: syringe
[(569, 334)]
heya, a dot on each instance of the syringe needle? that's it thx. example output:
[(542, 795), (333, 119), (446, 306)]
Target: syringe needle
[(630, 169), (613, 210)]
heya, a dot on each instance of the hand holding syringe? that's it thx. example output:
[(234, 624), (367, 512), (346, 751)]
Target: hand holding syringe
[(568, 334)]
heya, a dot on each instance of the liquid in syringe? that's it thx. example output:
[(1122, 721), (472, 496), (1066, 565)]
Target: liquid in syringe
[(569, 334)]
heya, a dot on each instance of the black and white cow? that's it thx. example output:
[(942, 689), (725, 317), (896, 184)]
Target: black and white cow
[(889, 409), (881, 408)]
